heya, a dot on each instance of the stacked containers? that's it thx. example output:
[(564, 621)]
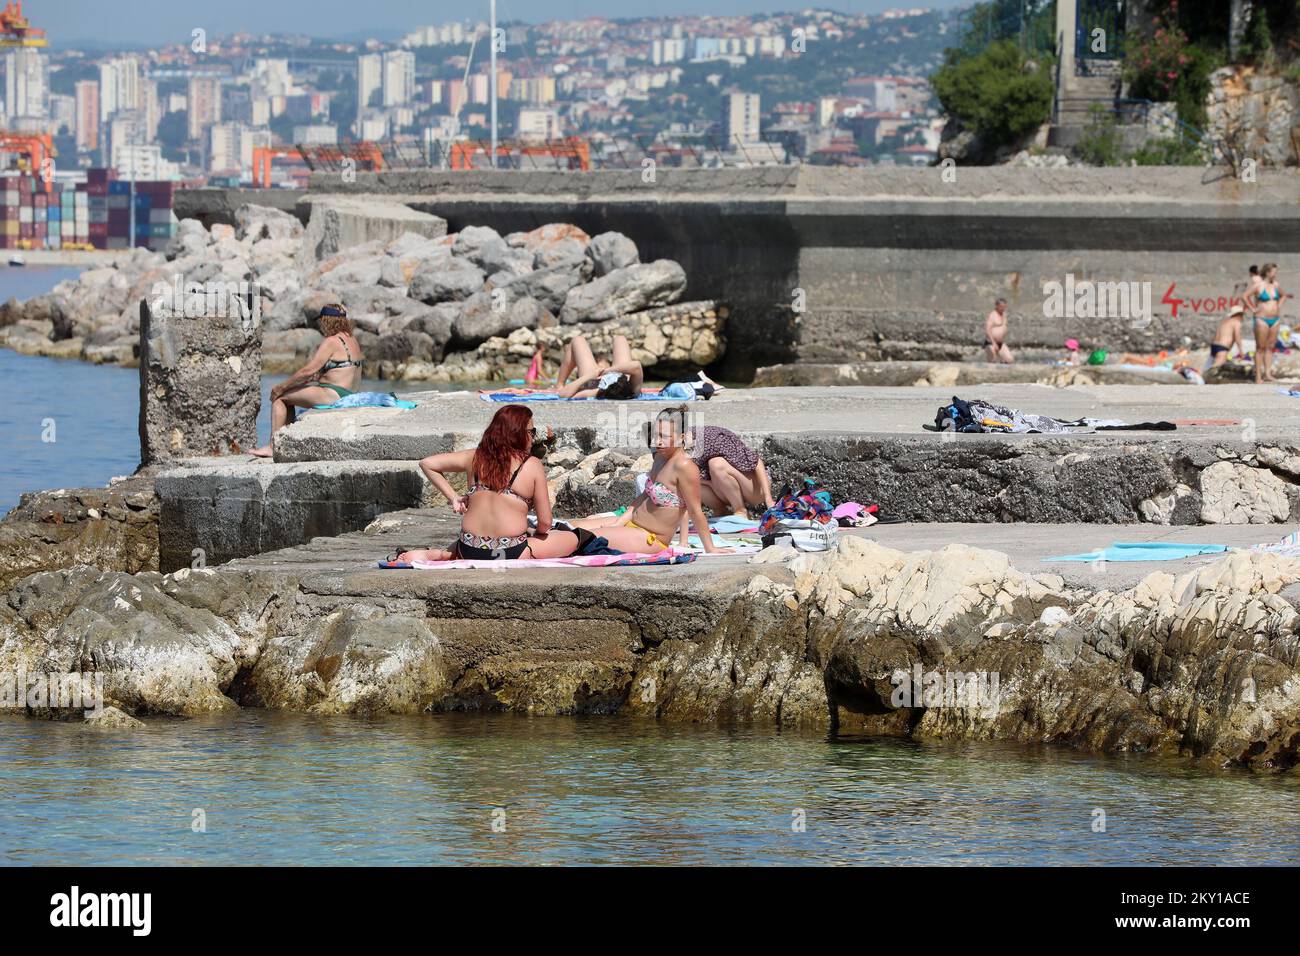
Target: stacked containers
[(9, 212), (96, 212)]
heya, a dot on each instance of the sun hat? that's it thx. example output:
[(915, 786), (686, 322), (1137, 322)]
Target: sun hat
[(1072, 344), (1236, 310)]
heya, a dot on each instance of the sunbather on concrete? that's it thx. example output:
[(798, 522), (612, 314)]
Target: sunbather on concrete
[(333, 373), (671, 499), (505, 483), (621, 379)]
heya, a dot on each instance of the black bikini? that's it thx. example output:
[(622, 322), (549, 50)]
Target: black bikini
[(477, 547)]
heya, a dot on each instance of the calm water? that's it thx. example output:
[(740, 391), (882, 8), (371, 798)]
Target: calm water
[(290, 789)]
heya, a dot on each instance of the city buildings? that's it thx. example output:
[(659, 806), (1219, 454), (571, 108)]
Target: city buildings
[(689, 90)]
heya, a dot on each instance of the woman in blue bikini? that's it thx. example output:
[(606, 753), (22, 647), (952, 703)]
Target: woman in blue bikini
[(333, 373), (1265, 300)]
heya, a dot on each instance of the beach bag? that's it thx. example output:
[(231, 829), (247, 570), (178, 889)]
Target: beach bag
[(805, 517)]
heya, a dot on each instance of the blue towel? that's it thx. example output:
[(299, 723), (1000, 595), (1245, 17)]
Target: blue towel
[(664, 396), (1144, 551), (368, 400), (733, 524)]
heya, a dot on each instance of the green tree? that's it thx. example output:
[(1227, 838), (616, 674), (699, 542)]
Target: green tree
[(998, 93)]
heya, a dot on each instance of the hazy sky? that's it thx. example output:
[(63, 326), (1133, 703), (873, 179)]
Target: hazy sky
[(152, 22)]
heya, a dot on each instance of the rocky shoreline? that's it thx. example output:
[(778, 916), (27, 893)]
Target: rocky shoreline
[(466, 307), (1202, 664)]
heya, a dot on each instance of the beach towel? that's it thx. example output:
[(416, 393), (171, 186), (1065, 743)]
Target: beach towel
[(1144, 551), (732, 524), (1288, 547), (528, 395), (668, 556), (368, 400)]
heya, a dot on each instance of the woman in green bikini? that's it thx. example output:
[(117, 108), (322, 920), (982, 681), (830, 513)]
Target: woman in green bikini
[(333, 372), (1265, 300)]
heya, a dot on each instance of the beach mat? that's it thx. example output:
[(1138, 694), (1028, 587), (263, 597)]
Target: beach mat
[(1144, 551), (625, 560)]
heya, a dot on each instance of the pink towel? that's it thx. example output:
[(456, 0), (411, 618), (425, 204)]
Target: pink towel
[(668, 556)]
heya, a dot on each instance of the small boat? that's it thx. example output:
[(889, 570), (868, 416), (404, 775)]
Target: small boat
[(17, 260)]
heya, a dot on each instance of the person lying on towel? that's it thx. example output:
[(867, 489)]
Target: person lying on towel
[(621, 379), (671, 496), (505, 483)]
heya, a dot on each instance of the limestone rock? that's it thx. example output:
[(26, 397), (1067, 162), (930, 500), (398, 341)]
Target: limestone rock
[(1235, 493), (351, 663), (110, 718), (611, 251), (452, 280), (622, 291)]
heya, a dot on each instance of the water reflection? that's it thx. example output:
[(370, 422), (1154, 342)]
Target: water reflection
[(289, 789)]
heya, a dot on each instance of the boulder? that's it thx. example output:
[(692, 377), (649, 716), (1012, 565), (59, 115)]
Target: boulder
[(263, 222), (549, 286), (1236, 493), (401, 347), (622, 291), (451, 280), (481, 245), (484, 317), (611, 251)]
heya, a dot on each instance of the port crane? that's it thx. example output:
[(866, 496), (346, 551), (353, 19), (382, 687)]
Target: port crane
[(16, 30), (37, 147)]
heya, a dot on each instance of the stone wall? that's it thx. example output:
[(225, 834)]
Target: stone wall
[(667, 340), (1258, 113), (903, 263)]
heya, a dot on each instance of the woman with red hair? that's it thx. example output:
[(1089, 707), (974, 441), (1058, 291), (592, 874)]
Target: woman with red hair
[(505, 483)]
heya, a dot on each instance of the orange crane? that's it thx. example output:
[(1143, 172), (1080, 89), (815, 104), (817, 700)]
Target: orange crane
[(573, 148), (365, 156), (37, 147), (16, 30)]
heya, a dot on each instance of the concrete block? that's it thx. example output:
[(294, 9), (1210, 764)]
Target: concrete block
[(211, 513), (200, 383)]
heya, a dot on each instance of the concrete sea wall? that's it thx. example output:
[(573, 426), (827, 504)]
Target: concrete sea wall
[(901, 263)]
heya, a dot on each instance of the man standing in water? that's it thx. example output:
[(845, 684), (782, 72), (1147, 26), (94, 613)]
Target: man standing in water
[(995, 334)]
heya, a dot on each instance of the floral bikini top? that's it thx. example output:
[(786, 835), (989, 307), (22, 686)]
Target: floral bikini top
[(661, 495)]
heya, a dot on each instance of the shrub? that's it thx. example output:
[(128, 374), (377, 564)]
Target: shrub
[(996, 93)]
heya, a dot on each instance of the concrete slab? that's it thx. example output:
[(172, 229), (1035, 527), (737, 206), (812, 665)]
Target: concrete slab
[(949, 374), (448, 420), (212, 511), (353, 556)]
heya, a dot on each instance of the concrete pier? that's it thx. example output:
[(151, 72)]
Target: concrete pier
[(1233, 460)]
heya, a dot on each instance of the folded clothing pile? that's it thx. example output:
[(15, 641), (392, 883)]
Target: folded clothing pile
[(978, 415)]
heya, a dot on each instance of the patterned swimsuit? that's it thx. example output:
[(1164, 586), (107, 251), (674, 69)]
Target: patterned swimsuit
[(712, 441)]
